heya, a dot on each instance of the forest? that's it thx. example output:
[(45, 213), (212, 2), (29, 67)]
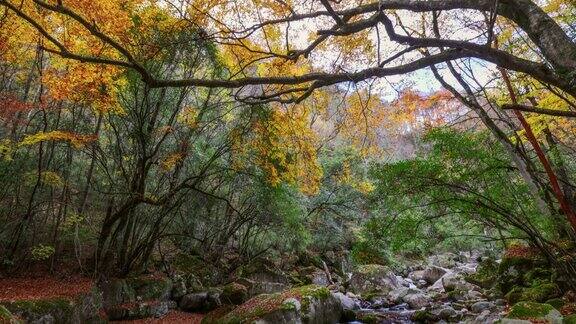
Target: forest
[(288, 161)]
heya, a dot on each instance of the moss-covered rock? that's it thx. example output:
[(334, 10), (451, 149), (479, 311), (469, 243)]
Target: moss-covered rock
[(368, 318), (150, 288), (531, 310), (514, 295), (541, 292), (538, 293), (516, 267), (424, 316), (486, 274), (60, 310), (556, 303), (234, 293), (308, 304), (118, 291), (538, 275), (373, 278)]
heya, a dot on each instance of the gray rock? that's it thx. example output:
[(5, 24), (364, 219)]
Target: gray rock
[(139, 310), (396, 296), (473, 294), (421, 283), (481, 306), (319, 278), (201, 302), (346, 302), (318, 311), (445, 260), (432, 274), (453, 281), (447, 313), (369, 278), (46, 319), (500, 302), (193, 302), (265, 287), (416, 301), (178, 288), (450, 281), (416, 276), (554, 317)]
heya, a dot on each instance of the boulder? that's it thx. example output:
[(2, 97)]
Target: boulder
[(119, 291), (346, 302), (178, 288), (373, 278), (539, 292), (453, 281), (397, 295), (532, 311), (486, 274), (193, 302), (479, 307), (417, 275), (311, 304), (521, 269), (417, 300), (444, 260), (234, 293), (81, 309), (265, 287), (200, 302), (447, 313), (432, 274), (131, 311)]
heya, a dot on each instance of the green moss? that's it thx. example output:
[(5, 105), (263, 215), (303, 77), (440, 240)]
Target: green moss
[(523, 310), (509, 262), (538, 275), (422, 316), (541, 292), (234, 293), (556, 302), (288, 306), (150, 288), (368, 318), (60, 308), (570, 319), (485, 275), (371, 269), (261, 305), (514, 295)]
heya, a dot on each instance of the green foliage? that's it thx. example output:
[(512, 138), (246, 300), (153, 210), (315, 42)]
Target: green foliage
[(452, 195), (41, 252)]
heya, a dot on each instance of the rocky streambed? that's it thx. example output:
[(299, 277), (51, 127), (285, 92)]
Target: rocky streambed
[(464, 288), (447, 288)]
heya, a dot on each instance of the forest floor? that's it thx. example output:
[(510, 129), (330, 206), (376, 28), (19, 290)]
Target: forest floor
[(44, 287), (51, 287), (172, 317)]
